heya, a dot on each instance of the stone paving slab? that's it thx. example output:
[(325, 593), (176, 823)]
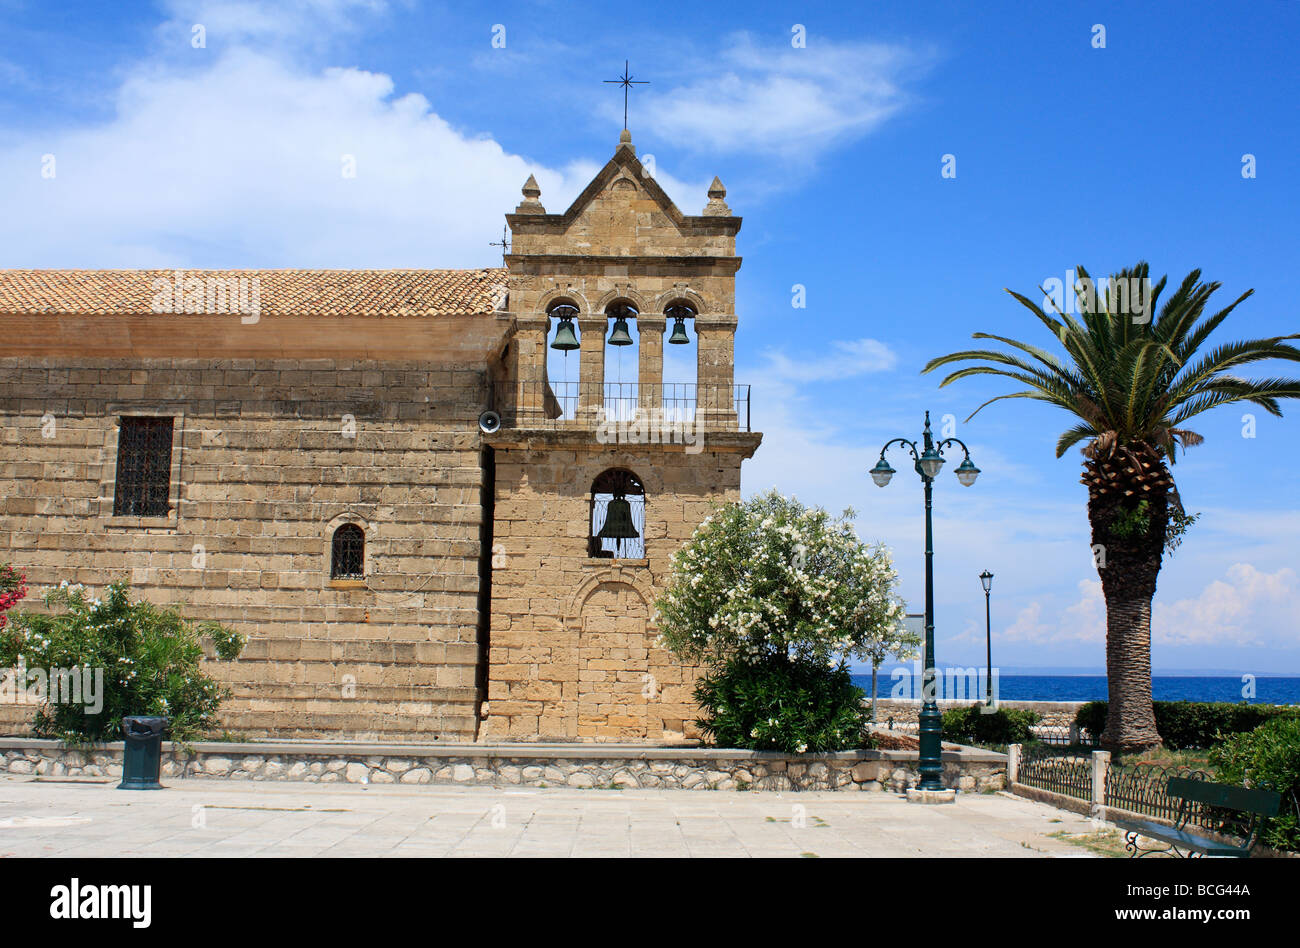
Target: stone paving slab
[(240, 819)]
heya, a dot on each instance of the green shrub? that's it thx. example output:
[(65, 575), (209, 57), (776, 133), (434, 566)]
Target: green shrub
[(794, 706), (1091, 717), (1003, 726), (148, 659), (1192, 724), (1268, 756)]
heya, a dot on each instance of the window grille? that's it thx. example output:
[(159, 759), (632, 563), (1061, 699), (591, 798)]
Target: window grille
[(349, 553), (144, 467)]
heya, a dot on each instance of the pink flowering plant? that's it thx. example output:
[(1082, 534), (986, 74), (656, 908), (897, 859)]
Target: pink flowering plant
[(150, 657), (13, 587), (777, 597)]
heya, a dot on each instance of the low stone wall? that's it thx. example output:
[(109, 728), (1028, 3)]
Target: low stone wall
[(535, 765), (908, 710)]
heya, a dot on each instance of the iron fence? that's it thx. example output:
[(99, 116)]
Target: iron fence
[(1046, 769), (1143, 788), (670, 405), (1136, 788), (1063, 735)]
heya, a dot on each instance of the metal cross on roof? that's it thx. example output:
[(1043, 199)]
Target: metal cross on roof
[(503, 243), (627, 82)]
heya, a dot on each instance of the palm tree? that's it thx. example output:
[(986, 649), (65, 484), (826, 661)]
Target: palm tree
[(1133, 382)]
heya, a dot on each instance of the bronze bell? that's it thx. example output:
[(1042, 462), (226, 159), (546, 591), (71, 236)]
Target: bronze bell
[(679, 337), (619, 336), (565, 340), (618, 521)]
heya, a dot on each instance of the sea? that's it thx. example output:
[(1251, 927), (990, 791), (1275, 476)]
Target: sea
[(1093, 688)]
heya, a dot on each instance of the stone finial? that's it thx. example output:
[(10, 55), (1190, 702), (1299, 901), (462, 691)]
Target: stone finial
[(717, 206), (625, 141), (530, 204)]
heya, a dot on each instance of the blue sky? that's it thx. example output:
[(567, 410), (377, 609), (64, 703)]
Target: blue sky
[(1066, 154)]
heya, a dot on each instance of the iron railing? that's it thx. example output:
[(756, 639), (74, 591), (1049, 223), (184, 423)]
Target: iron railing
[(1047, 769), (554, 404), (1063, 735), (1136, 788), (1143, 788)]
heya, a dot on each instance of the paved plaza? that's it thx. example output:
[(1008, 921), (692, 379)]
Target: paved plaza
[(43, 817)]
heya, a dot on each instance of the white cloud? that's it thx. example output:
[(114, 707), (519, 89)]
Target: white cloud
[(240, 162), (1085, 621), (1247, 607), (846, 360), (779, 100), (293, 22)]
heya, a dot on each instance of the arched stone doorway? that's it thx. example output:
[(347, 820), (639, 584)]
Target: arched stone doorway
[(615, 691)]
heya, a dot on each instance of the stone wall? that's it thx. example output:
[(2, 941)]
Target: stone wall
[(573, 644), (269, 457), (907, 711), (551, 766)]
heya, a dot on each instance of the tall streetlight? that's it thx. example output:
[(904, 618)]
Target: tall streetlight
[(928, 459), (986, 580)]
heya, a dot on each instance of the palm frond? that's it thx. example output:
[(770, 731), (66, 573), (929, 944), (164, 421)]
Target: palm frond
[(1073, 436)]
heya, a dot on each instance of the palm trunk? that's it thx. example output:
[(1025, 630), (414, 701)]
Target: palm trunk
[(1129, 542), (1130, 717)]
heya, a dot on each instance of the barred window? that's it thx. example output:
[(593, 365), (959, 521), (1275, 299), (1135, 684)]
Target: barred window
[(348, 553), (144, 467)]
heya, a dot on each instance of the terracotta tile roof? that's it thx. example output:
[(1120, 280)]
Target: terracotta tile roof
[(282, 292)]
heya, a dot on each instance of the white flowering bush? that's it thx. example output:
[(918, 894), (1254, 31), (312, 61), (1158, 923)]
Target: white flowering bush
[(149, 655), (777, 597), (772, 578)]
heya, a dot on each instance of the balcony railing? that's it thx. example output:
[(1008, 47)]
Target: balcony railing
[(578, 404)]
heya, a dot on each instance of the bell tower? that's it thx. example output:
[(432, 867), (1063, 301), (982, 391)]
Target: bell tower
[(597, 483)]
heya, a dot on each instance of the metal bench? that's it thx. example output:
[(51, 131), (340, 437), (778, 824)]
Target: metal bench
[(1179, 841)]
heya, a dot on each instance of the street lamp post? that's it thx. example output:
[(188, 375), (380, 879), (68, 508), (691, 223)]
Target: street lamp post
[(986, 580), (928, 459)]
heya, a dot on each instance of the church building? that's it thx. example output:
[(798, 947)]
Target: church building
[(372, 474)]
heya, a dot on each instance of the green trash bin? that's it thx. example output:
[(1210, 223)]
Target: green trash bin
[(142, 752)]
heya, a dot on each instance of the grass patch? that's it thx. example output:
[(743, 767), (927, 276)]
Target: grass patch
[(1164, 757), (1106, 843)]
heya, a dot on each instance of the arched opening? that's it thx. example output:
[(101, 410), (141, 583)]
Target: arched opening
[(348, 553), (617, 516), (622, 361), (681, 362), (563, 360)]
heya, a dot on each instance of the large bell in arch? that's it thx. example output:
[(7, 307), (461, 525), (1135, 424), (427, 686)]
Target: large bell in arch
[(679, 314), (679, 337), (618, 521), (619, 335), (565, 338)]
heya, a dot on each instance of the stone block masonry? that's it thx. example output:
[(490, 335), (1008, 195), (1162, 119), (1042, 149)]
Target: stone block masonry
[(269, 457), (580, 766), (1057, 714)]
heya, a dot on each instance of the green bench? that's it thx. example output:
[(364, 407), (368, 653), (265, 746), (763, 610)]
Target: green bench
[(1260, 804)]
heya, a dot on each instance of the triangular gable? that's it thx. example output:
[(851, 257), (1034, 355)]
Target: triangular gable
[(624, 159)]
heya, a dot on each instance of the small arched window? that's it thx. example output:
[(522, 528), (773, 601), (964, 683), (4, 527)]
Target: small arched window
[(617, 516), (348, 553)]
